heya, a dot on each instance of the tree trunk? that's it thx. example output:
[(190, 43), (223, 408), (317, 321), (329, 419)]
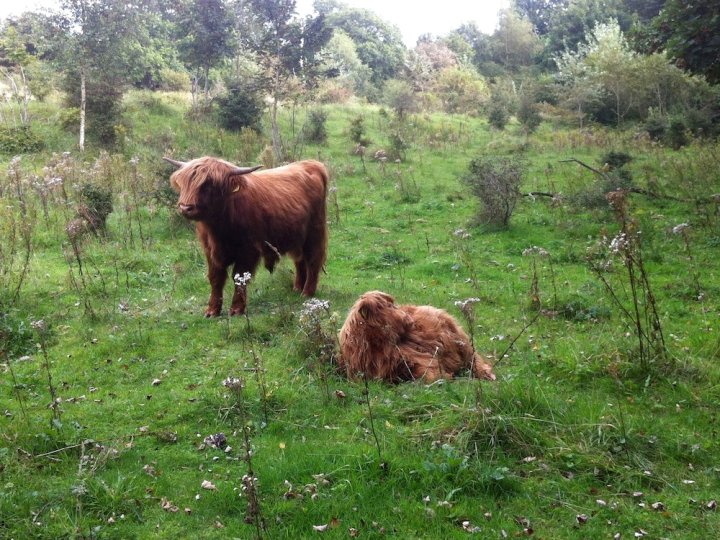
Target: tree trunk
[(81, 142), (25, 117), (207, 84), (276, 142)]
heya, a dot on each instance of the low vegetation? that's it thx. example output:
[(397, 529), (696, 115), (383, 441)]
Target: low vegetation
[(553, 186), (127, 413)]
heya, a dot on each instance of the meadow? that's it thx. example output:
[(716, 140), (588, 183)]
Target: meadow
[(115, 389)]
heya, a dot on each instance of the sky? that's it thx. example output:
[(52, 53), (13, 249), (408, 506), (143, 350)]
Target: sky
[(412, 17)]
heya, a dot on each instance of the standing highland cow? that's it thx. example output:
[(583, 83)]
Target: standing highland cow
[(397, 343), (243, 215)]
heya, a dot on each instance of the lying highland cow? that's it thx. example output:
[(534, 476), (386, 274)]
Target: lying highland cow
[(242, 216), (403, 342)]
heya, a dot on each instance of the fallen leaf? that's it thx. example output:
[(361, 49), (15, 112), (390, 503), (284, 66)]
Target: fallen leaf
[(320, 528), (188, 511), (340, 395), (206, 484), (581, 519), (712, 505), (167, 505), (156, 382), (658, 506), (353, 532)]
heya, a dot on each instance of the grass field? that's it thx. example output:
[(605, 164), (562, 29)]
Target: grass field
[(107, 401)]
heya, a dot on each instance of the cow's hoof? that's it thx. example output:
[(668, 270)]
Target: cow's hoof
[(236, 312), (212, 313)]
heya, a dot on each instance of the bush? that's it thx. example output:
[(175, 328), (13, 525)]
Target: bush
[(528, 114), (496, 182), (400, 97), (19, 140), (97, 205), (616, 160), (357, 131), (241, 107), (316, 131), (656, 125), (498, 115), (676, 136), (174, 81)]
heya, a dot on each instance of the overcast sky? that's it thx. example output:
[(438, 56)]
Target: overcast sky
[(413, 18)]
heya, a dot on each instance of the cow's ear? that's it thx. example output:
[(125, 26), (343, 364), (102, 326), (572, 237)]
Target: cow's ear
[(237, 183)]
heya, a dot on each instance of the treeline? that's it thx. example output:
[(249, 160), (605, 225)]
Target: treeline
[(655, 62)]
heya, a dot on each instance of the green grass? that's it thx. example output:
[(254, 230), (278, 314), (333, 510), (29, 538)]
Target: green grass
[(571, 427)]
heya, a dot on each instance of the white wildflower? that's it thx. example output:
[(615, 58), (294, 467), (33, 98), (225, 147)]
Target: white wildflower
[(242, 281)]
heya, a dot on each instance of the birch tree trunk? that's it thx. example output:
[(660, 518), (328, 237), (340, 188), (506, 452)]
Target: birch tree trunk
[(276, 142), (81, 142)]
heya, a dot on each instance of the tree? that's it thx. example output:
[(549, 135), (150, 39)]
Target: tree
[(690, 33), (461, 90), (379, 44), (579, 90), (515, 44), (208, 29), (539, 12), (286, 48), (613, 66), (340, 61), (426, 60), (471, 46), (14, 63), (95, 45), (568, 25)]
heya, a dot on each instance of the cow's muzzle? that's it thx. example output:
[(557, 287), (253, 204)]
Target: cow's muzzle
[(187, 210)]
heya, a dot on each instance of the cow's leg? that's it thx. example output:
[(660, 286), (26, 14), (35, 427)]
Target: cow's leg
[(247, 265), (217, 276), (314, 256), (300, 275)]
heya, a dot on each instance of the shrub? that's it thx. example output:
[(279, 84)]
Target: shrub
[(240, 107), (676, 135), (357, 131), (19, 140), (174, 81), (97, 205), (528, 114), (616, 160), (316, 131), (498, 115), (656, 125), (496, 182), (400, 97), (16, 338)]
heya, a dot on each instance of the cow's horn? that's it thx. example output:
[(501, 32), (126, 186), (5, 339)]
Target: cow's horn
[(175, 162), (245, 170)]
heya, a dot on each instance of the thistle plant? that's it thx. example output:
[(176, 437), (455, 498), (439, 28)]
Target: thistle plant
[(534, 253), (639, 306), (40, 326), (257, 364), (464, 253), (249, 481), (683, 230), (318, 326)]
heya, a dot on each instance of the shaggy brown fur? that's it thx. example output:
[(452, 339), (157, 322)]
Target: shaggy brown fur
[(397, 343), (243, 216)]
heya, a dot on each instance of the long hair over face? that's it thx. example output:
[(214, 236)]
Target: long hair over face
[(383, 340)]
